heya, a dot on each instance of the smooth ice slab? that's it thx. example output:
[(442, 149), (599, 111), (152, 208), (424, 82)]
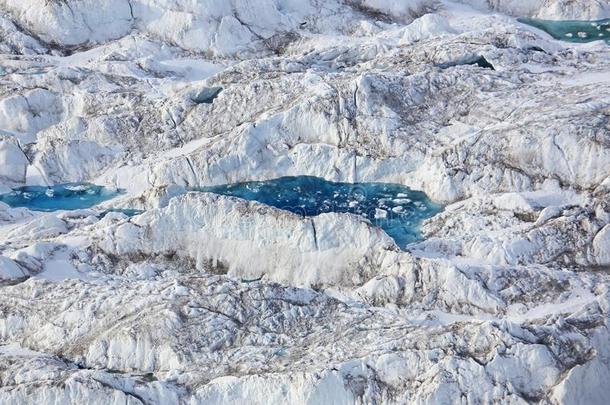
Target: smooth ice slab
[(572, 31), (398, 210), (59, 197)]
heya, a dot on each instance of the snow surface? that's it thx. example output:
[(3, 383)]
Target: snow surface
[(208, 299)]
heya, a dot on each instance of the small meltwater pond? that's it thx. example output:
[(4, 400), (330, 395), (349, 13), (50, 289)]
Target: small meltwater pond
[(398, 210), (59, 197), (572, 31)]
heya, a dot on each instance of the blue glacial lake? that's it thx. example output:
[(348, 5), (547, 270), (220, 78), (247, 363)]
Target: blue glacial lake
[(59, 197), (573, 31), (396, 209)]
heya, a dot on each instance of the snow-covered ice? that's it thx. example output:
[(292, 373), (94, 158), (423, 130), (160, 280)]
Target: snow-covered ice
[(168, 293)]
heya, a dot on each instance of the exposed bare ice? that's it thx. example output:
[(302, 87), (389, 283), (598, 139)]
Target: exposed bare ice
[(165, 295)]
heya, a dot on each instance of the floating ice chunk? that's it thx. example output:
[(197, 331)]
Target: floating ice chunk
[(582, 34), (75, 187), (380, 213), (401, 200), (397, 209)]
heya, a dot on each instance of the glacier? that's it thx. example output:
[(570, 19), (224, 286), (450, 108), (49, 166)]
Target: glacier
[(162, 292)]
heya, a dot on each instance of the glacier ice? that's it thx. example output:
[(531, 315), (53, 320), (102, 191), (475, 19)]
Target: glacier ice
[(169, 294)]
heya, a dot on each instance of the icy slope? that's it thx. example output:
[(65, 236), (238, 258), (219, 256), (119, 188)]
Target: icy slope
[(209, 299)]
